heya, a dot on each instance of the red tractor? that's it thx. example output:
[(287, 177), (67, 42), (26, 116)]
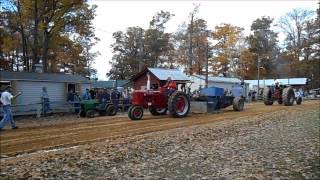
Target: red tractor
[(158, 102), (284, 95)]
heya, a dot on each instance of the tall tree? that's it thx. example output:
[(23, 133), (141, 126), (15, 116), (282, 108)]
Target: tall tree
[(192, 54), (224, 61), (157, 42), (48, 28), (302, 43), (126, 58), (263, 45), (293, 24)]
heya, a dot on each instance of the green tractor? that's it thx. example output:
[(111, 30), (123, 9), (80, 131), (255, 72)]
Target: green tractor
[(91, 107)]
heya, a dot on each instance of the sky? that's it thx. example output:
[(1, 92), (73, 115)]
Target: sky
[(112, 16)]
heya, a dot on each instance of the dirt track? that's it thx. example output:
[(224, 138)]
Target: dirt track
[(30, 139)]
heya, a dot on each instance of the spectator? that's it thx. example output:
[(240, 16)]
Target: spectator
[(45, 101), (115, 95), (5, 99), (86, 95), (93, 94), (76, 102), (105, 98), (249, 96), (70, 96)]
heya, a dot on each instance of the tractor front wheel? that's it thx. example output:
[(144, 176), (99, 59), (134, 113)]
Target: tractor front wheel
[(238, 104), (179, 104), (90, 113), (267, 96), (111, 110), (135, 112), (158, 111), (288, 96)]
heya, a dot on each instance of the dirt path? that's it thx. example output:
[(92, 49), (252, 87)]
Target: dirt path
[(31, 139)]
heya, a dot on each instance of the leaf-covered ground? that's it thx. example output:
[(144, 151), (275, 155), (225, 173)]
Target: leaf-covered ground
[(280, 145)]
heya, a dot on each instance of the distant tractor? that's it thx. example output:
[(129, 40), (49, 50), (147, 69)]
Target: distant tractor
[(159, 102), (89, 108), (281, 94)]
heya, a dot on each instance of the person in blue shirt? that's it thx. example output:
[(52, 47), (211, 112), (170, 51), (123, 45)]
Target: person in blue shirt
[(86, 95), (45, 101)]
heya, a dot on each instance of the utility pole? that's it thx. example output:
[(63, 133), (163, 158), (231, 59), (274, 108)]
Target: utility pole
[(190, 46), (140, 51), (258, 75), (207, 59)]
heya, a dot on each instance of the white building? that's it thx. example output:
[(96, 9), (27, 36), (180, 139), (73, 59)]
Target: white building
[(30, 84), (222, 82)]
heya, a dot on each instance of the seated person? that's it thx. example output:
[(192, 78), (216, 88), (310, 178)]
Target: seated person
[(171, 86)]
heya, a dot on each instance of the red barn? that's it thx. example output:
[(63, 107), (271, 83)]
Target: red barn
[(158, 77)]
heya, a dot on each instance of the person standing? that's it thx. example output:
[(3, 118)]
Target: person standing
[(86, 95), (45, 101), (5, 99), (77, 101)]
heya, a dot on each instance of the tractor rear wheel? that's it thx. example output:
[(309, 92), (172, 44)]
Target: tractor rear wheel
[(288, 96), (238, 104), (299, 100), (267, 96), (111, 110), (179, 104), (90, 113), (157, 111), (135, 112)]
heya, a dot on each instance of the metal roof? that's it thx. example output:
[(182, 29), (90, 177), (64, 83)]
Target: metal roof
[(109, 84), (31, 76), (268, 82), (163, 74), (219, 79)]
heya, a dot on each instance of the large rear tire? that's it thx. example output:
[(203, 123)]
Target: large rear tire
[(135, 112), (288, 96), (157, 111), (238, 104), (179, 104), (267, 96), (111, 110)]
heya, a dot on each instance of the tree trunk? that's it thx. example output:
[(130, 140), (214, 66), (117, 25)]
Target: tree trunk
[(45, 51), (24, 42), (35, 48)]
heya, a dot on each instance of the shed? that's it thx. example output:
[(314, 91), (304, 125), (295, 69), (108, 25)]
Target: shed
[(30, 84), (158, 77)]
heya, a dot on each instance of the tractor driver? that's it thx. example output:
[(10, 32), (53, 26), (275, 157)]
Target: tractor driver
[(170, 85), (277, 83)]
